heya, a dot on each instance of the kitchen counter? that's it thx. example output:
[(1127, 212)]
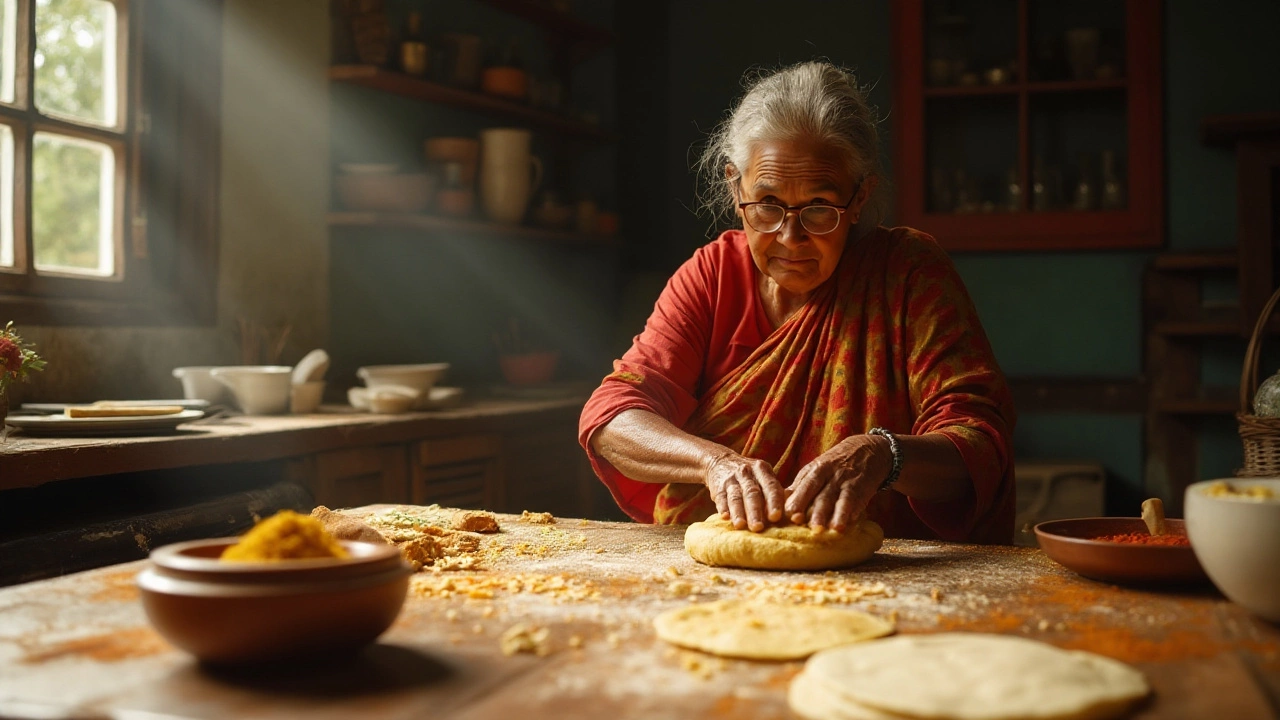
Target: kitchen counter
[(82, 643), (30, 461)]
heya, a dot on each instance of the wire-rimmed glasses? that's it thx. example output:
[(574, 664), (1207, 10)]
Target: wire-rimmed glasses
[(768, 217)]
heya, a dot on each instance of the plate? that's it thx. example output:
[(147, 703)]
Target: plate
[(58, 408), (438, 398), (1071, 543), (63, 426)]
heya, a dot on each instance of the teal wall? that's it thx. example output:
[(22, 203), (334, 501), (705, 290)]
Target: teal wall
[(1048, 314), (405, 297)]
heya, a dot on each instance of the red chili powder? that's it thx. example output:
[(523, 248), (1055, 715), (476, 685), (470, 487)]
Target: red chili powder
[(1141, 538)]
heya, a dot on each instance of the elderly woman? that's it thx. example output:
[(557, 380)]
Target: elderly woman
[(808, 366)]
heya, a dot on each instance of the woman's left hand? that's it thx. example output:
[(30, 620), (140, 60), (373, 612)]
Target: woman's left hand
[(835, 488)]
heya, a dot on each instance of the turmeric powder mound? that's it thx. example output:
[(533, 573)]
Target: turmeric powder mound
[(285, 536)]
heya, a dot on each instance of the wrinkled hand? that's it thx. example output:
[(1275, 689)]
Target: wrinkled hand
[(746, 491), (834, 489)]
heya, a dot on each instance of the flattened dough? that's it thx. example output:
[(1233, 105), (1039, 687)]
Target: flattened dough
[(765, 631), (715, 541), (812, 701), (972, 676)]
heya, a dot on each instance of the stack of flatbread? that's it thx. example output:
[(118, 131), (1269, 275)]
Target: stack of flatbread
[(963, 676)]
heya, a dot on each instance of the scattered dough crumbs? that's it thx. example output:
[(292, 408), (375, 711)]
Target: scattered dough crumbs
[(827, 591), (426, 539), (477, 521), (484, 587), (537, 518), (524, 638)]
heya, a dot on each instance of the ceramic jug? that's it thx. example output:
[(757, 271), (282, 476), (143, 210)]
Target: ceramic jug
[(509, 174)]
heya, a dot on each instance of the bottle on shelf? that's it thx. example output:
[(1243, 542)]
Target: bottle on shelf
[(1112, 186), (1039, 186), (1012, 191), (414, 53), (1085, 195)]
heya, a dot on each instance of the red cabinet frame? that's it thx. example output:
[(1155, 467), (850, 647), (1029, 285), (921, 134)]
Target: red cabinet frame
[(1140, 225)]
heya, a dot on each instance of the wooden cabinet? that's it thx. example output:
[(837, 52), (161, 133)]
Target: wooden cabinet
[(350, 477), (1029, 124), (463, 471), (544, 473)]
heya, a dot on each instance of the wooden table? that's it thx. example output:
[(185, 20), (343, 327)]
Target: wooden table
[(82, 642)]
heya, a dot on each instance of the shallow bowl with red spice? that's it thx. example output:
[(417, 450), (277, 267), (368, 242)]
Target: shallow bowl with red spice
[(250, 612), (1121, 550)]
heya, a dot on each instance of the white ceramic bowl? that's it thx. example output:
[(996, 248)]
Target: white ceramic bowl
[(305, 397), (198, 384), (1237, 541), (258, 389), (418, 377)]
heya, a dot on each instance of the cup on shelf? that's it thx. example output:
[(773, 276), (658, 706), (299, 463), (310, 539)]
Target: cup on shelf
[(258, 389), (465, 151), (509, 174), (1082, 52), (198, 384), (305, 397)]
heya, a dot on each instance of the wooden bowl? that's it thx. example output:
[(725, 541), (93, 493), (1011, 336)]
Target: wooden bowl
[(395, 192), (241, 612), (506, 82), (1072, 543)]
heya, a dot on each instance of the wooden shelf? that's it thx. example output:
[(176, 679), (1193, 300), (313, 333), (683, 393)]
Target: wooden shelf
[(1226, 260), (971, 90), (436, 224), (388, 81), (563, 25), (1071, 86), (1211, 324), (1213, 401), (1059, 86)]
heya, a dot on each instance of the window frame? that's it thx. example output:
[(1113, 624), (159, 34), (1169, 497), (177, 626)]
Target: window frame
[(166, 251)]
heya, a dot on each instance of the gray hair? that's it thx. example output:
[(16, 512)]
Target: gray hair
[(816, 100)]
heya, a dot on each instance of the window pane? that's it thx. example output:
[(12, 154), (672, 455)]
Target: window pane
[(6, 196), (73, 183), (75, 59), (8, 48)]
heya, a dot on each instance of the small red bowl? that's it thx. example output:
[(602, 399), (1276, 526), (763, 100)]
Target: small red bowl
[(1072, 543), (533, 368)]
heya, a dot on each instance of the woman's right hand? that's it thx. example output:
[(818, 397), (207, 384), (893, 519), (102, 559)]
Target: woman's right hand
[(746, 491)]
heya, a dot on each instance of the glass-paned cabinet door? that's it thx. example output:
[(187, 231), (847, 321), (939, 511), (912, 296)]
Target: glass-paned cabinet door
[(1029, 124)]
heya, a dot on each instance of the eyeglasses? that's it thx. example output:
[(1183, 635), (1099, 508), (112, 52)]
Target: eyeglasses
[(768, 217)]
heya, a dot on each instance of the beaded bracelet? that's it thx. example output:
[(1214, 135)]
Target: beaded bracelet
[(894, 447)]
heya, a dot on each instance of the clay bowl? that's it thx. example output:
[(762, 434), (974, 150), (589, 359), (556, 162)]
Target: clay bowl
[(395, 192), (1071, 543), (533, 368), (240, 612)]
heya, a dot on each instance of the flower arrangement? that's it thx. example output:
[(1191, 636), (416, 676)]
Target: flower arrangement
[(17, 358)]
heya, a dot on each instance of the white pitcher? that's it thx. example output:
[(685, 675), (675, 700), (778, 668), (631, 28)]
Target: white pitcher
[(506, 184)]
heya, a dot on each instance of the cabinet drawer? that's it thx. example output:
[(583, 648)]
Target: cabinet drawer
[(463, 471)]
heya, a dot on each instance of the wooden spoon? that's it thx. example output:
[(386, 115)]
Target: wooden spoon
[(1153, 516)]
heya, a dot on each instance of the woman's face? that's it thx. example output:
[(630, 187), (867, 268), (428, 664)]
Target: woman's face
[(796, 173)]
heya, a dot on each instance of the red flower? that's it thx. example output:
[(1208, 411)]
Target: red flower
[(10, 355)]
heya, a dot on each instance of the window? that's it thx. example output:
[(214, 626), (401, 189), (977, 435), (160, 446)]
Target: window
[(108, 160)]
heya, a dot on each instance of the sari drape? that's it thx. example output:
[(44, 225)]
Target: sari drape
[(891, 340)]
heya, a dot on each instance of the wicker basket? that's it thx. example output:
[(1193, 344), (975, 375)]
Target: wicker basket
[(1261, 435)]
